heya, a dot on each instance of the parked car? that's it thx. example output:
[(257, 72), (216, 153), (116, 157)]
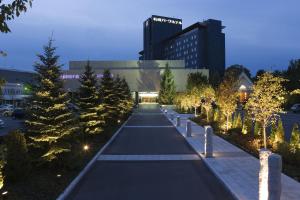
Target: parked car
[(18, 113), (1, 123), (7, 112), (4, 107), (296, 108)]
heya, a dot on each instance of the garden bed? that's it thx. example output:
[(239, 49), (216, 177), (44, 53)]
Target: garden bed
[(251, 145), (47, 183)]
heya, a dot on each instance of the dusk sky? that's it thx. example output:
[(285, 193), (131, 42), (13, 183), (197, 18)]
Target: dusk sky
[(259, 34)]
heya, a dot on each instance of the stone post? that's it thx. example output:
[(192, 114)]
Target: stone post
[(178, 121), (188, 128), (208, 145), (172, 116), (269, 175)]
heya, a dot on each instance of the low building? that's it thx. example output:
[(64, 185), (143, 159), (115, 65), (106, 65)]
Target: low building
[(16, 87), (143, 77), (244, 87)]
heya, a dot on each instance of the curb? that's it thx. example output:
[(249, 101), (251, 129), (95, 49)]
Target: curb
[(72, 185), (204, 160)]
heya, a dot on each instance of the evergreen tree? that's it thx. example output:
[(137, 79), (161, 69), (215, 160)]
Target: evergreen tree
[(125, 101), (50, 120), (295, 139), (88, 102), (109, 98), (127, 95), (277, 135), (167, 87)]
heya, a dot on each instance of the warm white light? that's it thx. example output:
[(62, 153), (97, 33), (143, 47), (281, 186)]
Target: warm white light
[(148, 94), (119, 121), (86, 147), (58, 175), (4, 193), (243, 87)]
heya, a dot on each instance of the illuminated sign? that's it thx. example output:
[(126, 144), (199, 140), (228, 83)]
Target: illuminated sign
[(77, 76), (164, 20)]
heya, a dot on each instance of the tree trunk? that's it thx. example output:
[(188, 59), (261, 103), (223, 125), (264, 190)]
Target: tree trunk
[(227, 121), (265, 136), (207, 117), (195, 111)]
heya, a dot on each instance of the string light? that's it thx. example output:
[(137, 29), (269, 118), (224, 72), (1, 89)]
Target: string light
[(86, 147)]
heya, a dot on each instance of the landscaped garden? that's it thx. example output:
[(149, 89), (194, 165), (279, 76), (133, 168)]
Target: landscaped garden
[(250, 125), (60, 137)]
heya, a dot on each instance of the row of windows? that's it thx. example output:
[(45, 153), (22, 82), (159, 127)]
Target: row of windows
[(12, 92)]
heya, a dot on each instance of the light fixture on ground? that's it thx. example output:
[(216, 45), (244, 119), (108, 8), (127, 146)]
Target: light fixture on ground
[(86, 147)]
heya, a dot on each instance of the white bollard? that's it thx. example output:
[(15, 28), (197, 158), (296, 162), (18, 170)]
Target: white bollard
[(166, 111), (208, 145), (269, 175), (188, 128), (178, 121), (172, 116)]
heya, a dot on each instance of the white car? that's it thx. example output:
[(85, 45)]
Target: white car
[(1, 123), (4, 107), (296, 108)]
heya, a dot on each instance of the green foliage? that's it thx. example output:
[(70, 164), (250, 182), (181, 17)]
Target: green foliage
[(266, 100), (109, 98), (277, 135), (208, 95), (167, 87), (237, 123), (2, 163), (49, 119), (227, 96), (125, 102), (196, 80), (10, 11), (17, 159), (89, 103), (295, 139), (257, 129)]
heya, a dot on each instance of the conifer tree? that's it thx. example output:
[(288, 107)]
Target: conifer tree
[(124, 100), (295, 138), (89, 103), (109, 98), (167, 87), (50, 120), (127, 97)]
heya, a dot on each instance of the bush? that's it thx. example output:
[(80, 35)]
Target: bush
[(237, 123), (2, 164), (257, 129), (17, 159), (295, 139), (277, 135)]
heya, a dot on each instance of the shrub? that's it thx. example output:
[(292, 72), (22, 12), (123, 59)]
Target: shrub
[(237, 122), (17, 159), (2, 164), (278, 135), (295, 139), (257, 129)]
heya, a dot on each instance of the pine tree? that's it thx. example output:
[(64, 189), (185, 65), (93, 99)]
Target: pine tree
[(167, 87), (127, 97), (124, 99), (50, 120), (295, 139), (109, 98), (89, 103)]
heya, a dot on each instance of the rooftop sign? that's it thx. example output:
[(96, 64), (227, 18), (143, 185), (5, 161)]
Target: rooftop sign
[(166, 20)]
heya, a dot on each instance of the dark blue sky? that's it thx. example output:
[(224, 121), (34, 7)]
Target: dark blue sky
[(259, 34)]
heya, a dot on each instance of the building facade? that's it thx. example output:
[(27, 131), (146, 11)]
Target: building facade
[(201, 45), (143, 77), (17, 86)]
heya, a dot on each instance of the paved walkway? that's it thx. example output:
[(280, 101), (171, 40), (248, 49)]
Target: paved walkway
[(237, 169), (148, 159)]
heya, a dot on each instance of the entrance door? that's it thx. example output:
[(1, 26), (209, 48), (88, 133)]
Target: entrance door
[(148, 97)]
